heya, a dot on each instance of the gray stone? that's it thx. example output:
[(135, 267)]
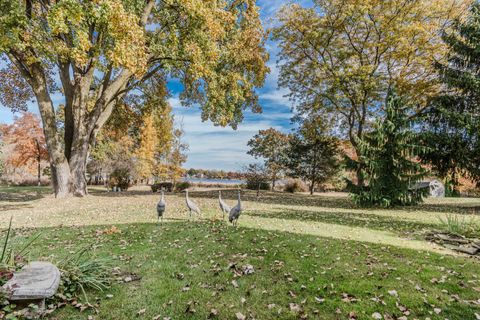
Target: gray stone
[(437, 189), (464, 249), (468, 250), (36, 281), (449, 238)]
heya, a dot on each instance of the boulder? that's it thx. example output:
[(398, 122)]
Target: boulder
[(437, 189), (434, 188)]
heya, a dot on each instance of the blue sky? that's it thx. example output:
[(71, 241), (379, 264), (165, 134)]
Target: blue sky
[(213, 147)]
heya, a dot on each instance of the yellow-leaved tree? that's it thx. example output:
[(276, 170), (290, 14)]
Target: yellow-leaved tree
[(95, 53), (146, 151), (339, 58)]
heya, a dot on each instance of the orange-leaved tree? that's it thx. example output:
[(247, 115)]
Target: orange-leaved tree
[(29, 147)]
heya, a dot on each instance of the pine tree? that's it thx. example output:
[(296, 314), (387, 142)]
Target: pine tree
[(452, 126), (389, 153)]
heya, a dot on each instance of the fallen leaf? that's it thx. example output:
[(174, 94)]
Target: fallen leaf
[(319, 300), (393, 293), (377, 316)]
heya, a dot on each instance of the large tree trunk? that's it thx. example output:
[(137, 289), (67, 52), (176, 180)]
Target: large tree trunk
[(61, 178), (78, 164)]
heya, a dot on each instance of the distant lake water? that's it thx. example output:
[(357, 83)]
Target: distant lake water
[(214, 181)]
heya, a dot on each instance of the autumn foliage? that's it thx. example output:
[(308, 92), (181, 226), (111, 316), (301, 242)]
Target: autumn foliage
[(27, 143)]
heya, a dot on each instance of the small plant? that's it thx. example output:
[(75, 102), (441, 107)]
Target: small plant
[(295, 185), (460, 225), (83, 271), (10, 259)]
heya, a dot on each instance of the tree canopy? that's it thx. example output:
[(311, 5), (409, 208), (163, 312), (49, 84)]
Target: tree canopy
[(97, 52), (342, 56), (312, 154), (271, 145), (25, 135)]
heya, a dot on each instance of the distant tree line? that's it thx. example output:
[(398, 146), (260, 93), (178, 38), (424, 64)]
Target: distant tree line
[(214, 174)]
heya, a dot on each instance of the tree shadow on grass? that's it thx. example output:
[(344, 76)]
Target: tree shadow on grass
[(16, 206), (325, 201), (369, 221), (289, 199), (23, 194)]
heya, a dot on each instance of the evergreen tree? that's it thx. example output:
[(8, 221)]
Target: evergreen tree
[(452, 126), (389, 152)]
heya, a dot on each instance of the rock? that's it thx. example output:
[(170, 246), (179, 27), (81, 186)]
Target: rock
[(464, 249), (36, 281), (469, 250), (435, 188), (449, 238)]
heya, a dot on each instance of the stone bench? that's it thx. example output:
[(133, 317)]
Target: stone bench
[(33, 283)]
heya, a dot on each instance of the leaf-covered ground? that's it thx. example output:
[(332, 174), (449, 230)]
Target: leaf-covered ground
[(297, 246)]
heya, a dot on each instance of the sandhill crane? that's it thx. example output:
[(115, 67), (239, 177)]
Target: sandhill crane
[(223, 206), (161, 207), (235, 212), (192, 206)]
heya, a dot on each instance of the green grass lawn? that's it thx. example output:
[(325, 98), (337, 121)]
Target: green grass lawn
[(302, 267), (322, 278)]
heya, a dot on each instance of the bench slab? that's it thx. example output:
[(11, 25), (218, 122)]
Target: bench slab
[(37, 280)]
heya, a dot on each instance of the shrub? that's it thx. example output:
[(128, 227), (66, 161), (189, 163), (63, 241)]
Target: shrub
[(11, 257), (257, 185), (182, 185), (166, 186), (83, 271), (295, 185), (119, 178), (256, 177), (464, 226)]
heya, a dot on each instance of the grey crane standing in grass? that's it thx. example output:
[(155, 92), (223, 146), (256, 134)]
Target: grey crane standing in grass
[(192, 206), (223, 206), (161, 207), (235, 212)]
